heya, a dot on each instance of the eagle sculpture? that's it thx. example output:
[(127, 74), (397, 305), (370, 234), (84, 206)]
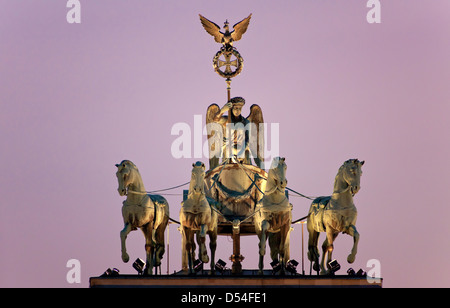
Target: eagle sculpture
[(226, 38)]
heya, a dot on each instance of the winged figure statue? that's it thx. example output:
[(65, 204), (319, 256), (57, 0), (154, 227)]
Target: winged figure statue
[(226, 38), (235, 136)]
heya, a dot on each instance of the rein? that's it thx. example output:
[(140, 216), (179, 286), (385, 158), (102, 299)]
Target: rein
[(155, 191), (301, 195), (215, 183), (136, 192)]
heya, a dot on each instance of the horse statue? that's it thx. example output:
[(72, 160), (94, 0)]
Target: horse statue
[(197, 217), (274, 216), (334, 214), (150, 213)]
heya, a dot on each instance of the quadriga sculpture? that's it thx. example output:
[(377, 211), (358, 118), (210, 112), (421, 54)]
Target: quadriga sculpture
[(197, 216), (274, 216), (150, 213), (334, 214)]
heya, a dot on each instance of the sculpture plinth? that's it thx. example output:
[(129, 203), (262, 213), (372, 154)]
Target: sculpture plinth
[(248, 279)]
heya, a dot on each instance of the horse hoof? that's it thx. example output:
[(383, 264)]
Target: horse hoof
[(316, 267), (205, 258), (351, 259), (125, 257), (148, 272)]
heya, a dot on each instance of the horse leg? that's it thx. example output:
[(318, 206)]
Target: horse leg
[(284, 255), (262, 244), (352, 232), (261, 258), (158, 250), (261, 265), (149, 249), (262, 241), (123, 236), (203, 252), (274, 245), (287, 243), (160, 246), (184, 256), (188, 239), (325, 252), (330, 253), (327, 248), (313, 251), (212, 247)]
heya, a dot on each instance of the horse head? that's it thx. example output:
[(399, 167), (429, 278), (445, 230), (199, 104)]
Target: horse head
[(277, 176), (125, 175), (351, 174), (197, 185)]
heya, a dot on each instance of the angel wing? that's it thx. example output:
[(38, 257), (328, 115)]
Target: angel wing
[(240, 28), (257, 134), (212, 28), (211, 112), (215, 135)]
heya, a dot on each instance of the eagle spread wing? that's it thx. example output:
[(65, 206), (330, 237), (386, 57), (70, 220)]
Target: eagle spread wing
[(212, 28), (240, 28)]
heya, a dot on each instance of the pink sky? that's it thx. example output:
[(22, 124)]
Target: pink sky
[(78, 98)]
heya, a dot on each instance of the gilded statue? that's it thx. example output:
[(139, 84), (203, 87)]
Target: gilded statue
[(273, 216), (197, 216), (335, 214), (150, 213), (235, 136)]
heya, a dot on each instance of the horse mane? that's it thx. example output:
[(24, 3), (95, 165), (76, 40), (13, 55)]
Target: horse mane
[(353, 161), (128, 162), (341, 168)]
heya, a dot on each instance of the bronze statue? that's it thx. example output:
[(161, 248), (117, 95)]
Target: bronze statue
[(334, 214), (273, 216), (141, 210), (197, 216), (234, 136), (226, 38)]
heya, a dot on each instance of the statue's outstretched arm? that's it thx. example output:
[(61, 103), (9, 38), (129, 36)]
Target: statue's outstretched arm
[(218, 116)]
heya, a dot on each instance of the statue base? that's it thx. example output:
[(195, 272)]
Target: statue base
[(227, 280)]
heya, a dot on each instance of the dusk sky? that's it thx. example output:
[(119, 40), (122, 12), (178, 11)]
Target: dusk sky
[(76, 99)]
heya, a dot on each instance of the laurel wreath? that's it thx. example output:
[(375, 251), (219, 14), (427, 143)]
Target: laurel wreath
[(240, 63)]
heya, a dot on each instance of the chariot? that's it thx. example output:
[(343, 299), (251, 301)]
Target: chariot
[(234, 190)]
